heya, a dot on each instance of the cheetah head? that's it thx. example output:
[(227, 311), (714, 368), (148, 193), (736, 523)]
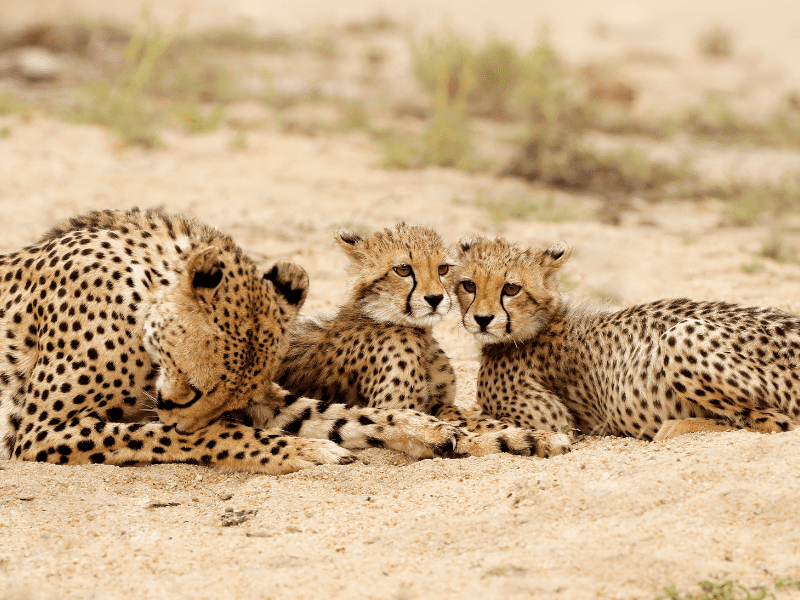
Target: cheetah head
[(506, 291), (217, 334), (402, 274)]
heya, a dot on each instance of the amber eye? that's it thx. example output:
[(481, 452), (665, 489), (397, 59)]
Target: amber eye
[(468, 286), (443, 269), (511, 289), (403, 270)]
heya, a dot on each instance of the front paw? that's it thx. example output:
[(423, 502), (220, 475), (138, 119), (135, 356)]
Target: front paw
[(310, 452), (514, 440), (550, 443)]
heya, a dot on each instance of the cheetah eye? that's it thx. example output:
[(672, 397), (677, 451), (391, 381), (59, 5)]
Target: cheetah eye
[(443, 269), (403, 270), (511, 289), (468, 286)]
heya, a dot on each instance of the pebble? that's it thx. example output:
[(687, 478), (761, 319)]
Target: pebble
[(293, 529), (232, 517), (162, 504), (259, 534)]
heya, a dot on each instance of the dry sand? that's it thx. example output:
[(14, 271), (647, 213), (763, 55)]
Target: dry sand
[(616, 518)]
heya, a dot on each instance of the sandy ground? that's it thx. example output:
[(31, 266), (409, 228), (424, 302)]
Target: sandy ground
[(616, 518)]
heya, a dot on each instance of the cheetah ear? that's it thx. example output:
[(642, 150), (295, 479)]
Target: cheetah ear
[(348, 240), (465, 243), (556, 255), (205, 269)]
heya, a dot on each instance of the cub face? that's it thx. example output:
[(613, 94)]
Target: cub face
[(402, 274), (507, 292), (217, 335)]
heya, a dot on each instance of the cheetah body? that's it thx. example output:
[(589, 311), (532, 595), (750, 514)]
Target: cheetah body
[(650, 371)]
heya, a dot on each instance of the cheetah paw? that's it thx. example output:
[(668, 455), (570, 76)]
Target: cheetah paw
[(549, 443), (308, 453), (513, 440), (421, 436)]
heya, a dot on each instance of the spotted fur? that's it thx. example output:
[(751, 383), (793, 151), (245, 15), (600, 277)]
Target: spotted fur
[(125, 337), (651, 371), (378, 350)]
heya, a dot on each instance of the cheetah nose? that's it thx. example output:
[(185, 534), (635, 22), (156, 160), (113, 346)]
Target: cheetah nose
[(434, 300), (483, 321)]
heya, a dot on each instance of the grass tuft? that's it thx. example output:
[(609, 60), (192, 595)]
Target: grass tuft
[(775, 248), (447, 141), (197, 120), (725, 590), (122, 104)]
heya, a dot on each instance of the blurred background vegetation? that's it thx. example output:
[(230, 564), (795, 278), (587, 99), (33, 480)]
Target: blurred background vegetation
[(440, 101)]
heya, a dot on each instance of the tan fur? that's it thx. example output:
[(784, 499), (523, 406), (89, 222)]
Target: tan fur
[(378, 350), (652, 371), (133, 337)]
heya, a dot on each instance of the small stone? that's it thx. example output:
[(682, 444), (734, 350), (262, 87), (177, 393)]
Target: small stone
[(162, 504), (259, 534), (26, 498), (37, 64), (236, 517), (225, 497), (293, 529)]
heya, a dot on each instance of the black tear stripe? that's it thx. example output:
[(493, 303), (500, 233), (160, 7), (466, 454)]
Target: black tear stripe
[(471, 302), (508, 316), (411, 293)]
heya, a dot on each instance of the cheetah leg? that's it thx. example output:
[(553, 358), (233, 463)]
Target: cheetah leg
[(417, 434), (489, 436), (229, 446), (704, 368), (676, 427), (486, 434), (526, 404), (441, 377)]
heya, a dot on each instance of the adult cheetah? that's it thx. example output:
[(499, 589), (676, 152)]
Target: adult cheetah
[(378, 350), (651, 371), (124, 336)]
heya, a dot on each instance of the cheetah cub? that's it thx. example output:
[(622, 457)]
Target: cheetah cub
[(652, 371), (378, 350)]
